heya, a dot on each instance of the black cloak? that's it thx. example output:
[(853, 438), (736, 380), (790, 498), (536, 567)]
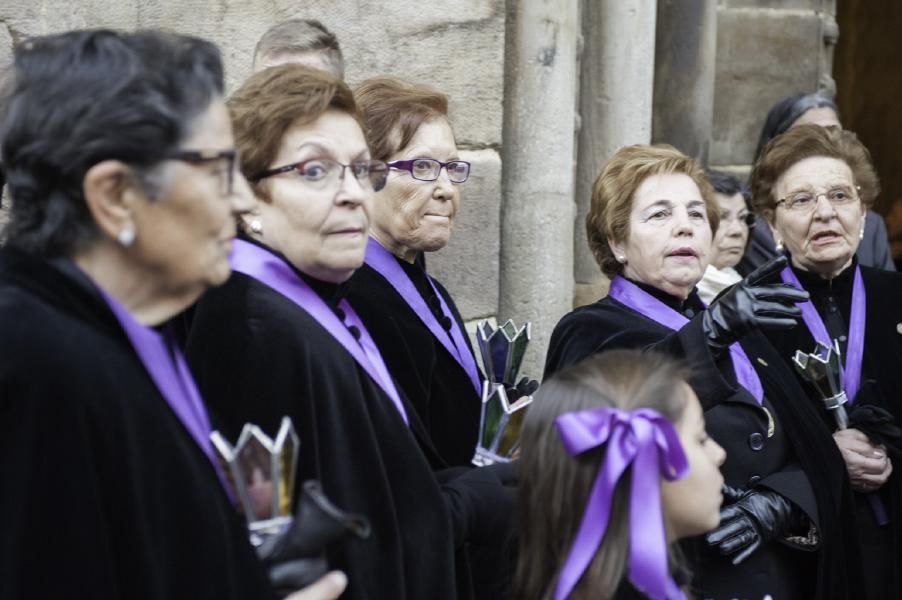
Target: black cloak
[(103, 492), (881, 385), (257, 356), (798, 459), (430, 377)]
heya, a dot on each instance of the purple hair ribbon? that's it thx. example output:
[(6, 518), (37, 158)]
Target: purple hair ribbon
[(646, 440)]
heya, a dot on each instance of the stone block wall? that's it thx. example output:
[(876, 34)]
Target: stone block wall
[(766, 49), (459, 51)]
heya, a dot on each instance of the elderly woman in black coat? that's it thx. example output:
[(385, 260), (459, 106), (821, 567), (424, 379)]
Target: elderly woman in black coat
[(813, 185), (123, 184), (650, 227)]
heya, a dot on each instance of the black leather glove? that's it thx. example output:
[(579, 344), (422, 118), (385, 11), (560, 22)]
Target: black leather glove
[(482, 503), (295, 558), (525, 387), (751, 304), (753, 519)]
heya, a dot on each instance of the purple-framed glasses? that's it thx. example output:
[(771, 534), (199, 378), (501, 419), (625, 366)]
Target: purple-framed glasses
[(428, 169)]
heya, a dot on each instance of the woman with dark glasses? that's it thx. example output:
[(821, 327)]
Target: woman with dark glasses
[(281, 338)]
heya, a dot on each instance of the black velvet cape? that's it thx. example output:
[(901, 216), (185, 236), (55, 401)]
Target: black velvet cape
[(881, 385), (799, 461), (431, 378), (258, 356), (103, 492)]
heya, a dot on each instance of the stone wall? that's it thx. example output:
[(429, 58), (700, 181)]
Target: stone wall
[(765, 49), (459, 51)]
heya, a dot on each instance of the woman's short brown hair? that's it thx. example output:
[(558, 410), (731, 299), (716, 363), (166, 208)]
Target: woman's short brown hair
[(274, 100), (555, 486), (807, 141), (616, 185), (394, 109)]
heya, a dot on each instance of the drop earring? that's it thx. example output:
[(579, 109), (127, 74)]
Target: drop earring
[(126, 235), (779, 246), (256, 226), (861, 233)]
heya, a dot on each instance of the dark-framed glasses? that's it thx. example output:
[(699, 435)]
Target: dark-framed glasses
[(803, 201), (323, 173), (197, 157), (428, 169)]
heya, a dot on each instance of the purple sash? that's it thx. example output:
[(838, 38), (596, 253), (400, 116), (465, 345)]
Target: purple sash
[(645, 304), (646, 441), (274, 272), (384, 263), (169, 371), (851, 373)]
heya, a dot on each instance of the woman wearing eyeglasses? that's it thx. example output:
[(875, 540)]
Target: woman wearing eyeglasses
[(413, 319), (282, 338), (731, 236), (813, 185), (122, 214)]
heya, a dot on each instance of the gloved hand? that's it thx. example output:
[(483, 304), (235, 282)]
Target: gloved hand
[(751, 304), (753, 519), (482, 502), (525, 387), (295, 558)]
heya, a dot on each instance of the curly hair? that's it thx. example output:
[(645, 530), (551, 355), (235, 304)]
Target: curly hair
[(807, 141), (78, 98)]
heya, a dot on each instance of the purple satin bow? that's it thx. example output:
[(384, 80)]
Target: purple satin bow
[(646, 440)]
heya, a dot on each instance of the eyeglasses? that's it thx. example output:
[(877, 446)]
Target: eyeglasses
[(323, 173), (195, 157), (806, 200), (428, 169)]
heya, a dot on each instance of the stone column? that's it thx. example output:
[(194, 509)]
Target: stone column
[(615, 107), (537, 159), (685, 49)]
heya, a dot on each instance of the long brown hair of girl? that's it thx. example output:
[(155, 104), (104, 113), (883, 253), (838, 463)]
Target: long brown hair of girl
[(554, 486)]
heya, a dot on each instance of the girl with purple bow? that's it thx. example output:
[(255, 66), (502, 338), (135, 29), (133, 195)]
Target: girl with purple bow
[(814, 186), (616, 467), (782, 530)]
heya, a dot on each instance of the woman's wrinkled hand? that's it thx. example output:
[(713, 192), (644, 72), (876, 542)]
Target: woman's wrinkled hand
[(868, 465), (328, 587)]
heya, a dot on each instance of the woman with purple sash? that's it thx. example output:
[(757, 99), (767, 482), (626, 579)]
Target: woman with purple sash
[(122, 177), (413, 319), (616, 467), (281, 337), (782, 531), (814, 186)]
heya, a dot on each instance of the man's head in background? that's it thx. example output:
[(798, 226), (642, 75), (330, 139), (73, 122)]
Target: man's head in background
[(301, 41)]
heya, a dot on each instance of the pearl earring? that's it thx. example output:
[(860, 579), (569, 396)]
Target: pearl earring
[(126, 236), (256, 226), (861, 233), (779, 245)]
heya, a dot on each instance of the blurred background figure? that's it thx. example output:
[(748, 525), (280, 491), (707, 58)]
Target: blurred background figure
[(814, 186), (578, 541), (816, 109), (731, 237), (300, 41)]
